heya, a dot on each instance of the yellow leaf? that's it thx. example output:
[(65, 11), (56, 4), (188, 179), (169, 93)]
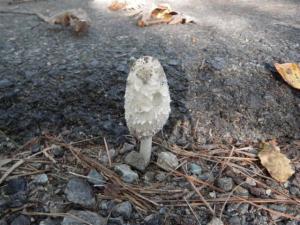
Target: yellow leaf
[(277, 164), (290, 72)]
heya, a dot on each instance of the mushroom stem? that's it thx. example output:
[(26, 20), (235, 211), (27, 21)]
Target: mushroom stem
[(145, 149)]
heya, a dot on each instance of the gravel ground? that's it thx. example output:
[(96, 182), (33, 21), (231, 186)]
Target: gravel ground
[(224, 89)]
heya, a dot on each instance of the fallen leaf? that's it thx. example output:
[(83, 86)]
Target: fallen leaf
[(75, 18), (290, 72), (277, 164), (117, 5), (162, 14)]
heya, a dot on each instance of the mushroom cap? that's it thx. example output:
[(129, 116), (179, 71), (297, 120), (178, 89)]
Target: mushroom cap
[(147, 98)]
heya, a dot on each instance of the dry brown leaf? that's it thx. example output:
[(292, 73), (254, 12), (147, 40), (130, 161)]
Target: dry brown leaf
[(163, 14), (76, 18), (117, 5), (277, 164), (290, 72)]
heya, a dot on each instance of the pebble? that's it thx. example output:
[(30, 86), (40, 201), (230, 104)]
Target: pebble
[(295, 191), (161, 176), (225, 183), (167, 160), (136, 160), (280, 208), (153, 219), (35, 148), (218, 63), (116, 221), (95, 178), (58, 151), (126, 173), (243, 208), (5, 83), (80, 192), (123, 209), (16, 185), (49, 221), (106, 207), (149, 177), (21, 220), (215, 221), (126, 148), (241, 191), (195, 169), (235, 220), (41, 179), (88, 216)]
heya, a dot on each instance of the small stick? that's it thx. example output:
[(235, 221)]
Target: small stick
[(11, 169), (107, 151), (202, 198), (192, 211)]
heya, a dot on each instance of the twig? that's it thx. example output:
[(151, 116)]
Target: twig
[(202, 198), (11, 169), (107, 151), (195, 215)]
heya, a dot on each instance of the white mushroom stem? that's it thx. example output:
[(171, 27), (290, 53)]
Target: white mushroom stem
[(145, 149)]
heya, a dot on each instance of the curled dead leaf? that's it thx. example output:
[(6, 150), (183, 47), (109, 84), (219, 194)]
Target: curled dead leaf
[(163, 14), (75, 18), (277, 164), (117, 5), (290, 72)]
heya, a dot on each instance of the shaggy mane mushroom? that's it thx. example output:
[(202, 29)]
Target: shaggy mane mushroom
[(147, 102)]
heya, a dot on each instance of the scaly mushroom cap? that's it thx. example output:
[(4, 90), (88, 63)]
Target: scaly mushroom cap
[(147, 98)]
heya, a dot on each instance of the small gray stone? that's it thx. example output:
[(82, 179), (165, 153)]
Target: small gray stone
[(21, 220), (226, 183), (161, 176), (292, 223), (126, 148), (241, 191), (80, 192), (235, 220), (5, 83), (95, 178), (215, 221), (153, 219), (173, 62), (280, 208), (16, 185), (88, 216), (35, 148), (126, 173), (243, 208), (116, 221), (41, 179), (58, 151), (136, 160), (149, 176), (195, 169), (49, 221), (123, 209), (167, 160)]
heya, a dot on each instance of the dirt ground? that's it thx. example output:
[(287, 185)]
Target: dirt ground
[(224, 87)]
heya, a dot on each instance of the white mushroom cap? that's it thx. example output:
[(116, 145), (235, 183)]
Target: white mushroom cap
[(147, 98)]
